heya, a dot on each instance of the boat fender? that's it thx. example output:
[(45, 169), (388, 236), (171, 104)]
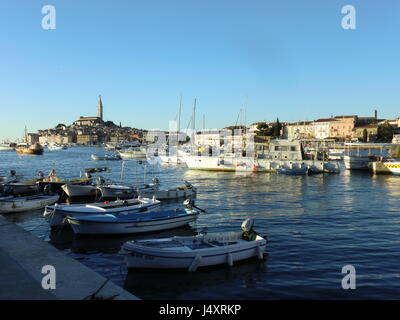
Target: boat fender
[(195, 263), (230, 260), (260, 253)]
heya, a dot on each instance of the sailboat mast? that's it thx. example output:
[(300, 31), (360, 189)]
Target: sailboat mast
[(194, 119), (179, 120)]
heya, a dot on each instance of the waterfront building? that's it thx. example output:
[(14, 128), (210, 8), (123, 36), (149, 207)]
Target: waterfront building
[(322, 128), (31, 138), (372, 131), (299, 130), (342, 127), (87, 139), (92, 121)]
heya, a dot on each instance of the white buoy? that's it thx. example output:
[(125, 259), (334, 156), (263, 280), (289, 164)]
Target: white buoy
[(260, 253), (195, 263), (230, 259)]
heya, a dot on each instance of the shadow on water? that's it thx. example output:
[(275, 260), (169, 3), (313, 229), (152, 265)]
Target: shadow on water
[(64, 238), (211, 282)]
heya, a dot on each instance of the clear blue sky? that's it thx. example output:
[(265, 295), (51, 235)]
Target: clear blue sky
[(286, 59)]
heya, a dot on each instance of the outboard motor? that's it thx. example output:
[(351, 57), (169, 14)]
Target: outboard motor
[(188, 184), (40, 175), (100, 180), (189, 203), (247, 224), (47, 189)]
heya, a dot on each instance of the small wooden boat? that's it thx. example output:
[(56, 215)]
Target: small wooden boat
[(124, 191), (34, 149), (54, 184), (22, 187), (185, 191), (128, 221), (193, 251), (107, 157), (18, 204), (9, 178), (77, 190), (58, 213)]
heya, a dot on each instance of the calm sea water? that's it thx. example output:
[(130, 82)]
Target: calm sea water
[(315, 225)]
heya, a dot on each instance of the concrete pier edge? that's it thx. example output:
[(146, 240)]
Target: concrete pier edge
[(22, 257)]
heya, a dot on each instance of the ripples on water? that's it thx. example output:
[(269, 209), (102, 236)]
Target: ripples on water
[(315, 226)]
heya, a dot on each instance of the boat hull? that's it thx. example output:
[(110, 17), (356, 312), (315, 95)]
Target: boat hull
[(29, 151), (357, 163), (73, 190), (20, 204), (141, 257), (394, 167), (57, 215), (92, 227), (117, 192)]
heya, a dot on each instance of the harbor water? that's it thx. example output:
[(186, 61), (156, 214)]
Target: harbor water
[(315, 225)]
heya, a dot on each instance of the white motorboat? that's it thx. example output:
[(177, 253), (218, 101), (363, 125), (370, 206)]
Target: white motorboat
[(107, 157), (18, 204), (185, 191), (193, 251), (56, 146), (128, 221), (7, 146), (132, 153), (57, 213)]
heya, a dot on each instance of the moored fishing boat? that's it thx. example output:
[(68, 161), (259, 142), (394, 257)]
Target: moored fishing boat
[(193, 251), (186, 191), (34, 149), (58, 213), (18, 204), (77, 190), (7, 146), (54, 184), (129, 221), (9, 178)]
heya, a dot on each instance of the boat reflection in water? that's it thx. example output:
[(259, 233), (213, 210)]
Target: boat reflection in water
[(207, 281)]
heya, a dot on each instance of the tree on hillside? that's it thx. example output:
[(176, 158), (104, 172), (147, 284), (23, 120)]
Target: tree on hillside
[(109, 124), (264, 129), (277, 128), (365, 135), (385, 133)]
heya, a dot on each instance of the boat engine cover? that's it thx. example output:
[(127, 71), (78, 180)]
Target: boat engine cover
[(247, 224)]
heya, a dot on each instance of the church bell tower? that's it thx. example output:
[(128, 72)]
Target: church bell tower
[(100, 109)]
